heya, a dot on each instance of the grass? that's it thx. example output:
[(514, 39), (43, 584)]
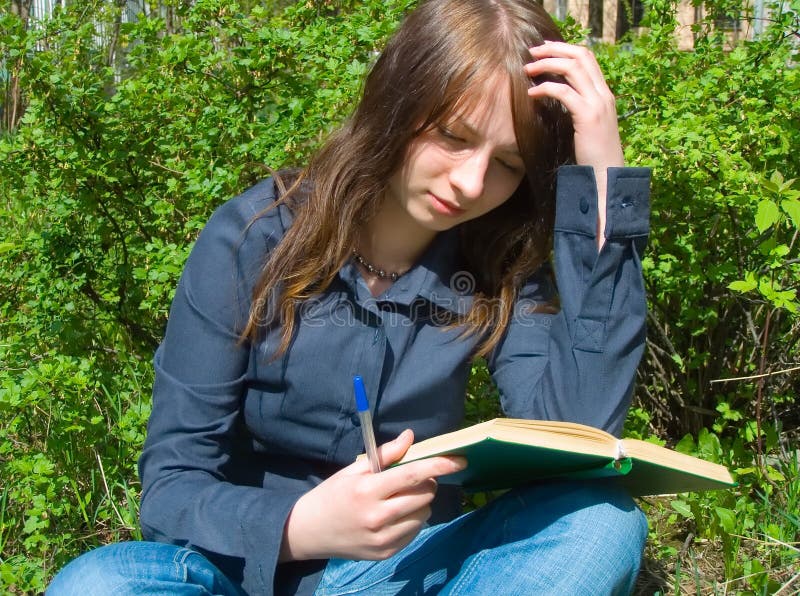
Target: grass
[(699, 568), (760, 554)]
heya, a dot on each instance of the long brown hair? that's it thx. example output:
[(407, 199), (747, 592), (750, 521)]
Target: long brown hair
[(438, 59)]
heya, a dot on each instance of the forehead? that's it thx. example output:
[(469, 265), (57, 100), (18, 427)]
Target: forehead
[(492, 94), (488, 113)]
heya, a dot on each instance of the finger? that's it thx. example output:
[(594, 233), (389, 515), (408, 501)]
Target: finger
[(410, 475), (595, 117), (422, 490), (391, 538), (569, 69), (585, 79), (562, 49), (390, 452), (558, 48), (386, 512), (581, 55), (402, 505), (569, 98), (409, 526)]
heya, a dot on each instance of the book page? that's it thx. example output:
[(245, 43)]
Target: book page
[(561, 436), (678, 461)]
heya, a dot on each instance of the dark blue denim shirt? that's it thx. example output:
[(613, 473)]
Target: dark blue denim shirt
[(236, 437)]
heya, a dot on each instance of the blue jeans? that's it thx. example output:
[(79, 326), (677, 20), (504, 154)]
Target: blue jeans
[(562, 537)]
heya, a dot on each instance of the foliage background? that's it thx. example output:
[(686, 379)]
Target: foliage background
[(129, 140)]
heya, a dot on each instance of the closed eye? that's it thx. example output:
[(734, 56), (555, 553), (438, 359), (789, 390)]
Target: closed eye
[(511, 167), (449, 134)]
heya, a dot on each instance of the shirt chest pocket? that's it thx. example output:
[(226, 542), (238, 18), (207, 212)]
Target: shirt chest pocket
[(307, 390)]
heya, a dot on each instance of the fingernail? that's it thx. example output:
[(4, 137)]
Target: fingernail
[(459, 462)]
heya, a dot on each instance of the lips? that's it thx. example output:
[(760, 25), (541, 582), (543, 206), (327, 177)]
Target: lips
[(444, 207)]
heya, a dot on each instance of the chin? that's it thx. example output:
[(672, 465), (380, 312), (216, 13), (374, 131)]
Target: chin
[(436, 224)]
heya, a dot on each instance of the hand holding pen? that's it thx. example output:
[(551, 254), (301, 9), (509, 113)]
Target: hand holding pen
[(367, 430), (359, 514)]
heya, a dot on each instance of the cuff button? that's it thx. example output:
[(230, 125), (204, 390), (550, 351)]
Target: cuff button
[(584, 205)]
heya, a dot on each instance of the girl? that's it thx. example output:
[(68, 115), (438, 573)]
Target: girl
[(416, 239)]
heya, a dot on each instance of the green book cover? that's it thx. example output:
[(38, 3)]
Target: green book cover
[(504, 453)]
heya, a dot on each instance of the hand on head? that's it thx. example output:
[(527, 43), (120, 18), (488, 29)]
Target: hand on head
[(356, 514), (585, 95)]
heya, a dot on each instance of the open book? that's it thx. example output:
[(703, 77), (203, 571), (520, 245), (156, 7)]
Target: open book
[(507, 452)]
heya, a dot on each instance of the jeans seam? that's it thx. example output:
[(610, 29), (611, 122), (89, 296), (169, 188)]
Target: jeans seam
[(388, 575), (360, 588), (338, 591), (414, 557), (180, 563), (468, 573)]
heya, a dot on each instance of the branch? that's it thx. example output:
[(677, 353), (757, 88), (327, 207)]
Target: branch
[(759, 376)]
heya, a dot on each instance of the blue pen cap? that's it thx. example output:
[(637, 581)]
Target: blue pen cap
[(362, 404)]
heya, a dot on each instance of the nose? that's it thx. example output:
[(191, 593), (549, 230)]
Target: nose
[(468, 175)]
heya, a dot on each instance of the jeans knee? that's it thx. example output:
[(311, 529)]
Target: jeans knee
[(619, 523), (599, 514), (86, 574), (581, 537), (116, 569)]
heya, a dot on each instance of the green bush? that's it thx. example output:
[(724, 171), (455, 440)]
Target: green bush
[(719, 125), (104, 185)]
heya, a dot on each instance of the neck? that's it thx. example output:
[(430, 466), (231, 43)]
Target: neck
[(391, 240)]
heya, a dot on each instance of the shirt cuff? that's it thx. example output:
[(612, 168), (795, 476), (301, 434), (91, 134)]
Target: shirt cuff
[(576, 200), (627, 202)]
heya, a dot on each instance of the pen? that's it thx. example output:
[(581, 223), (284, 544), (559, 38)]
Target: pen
[(362, 405)]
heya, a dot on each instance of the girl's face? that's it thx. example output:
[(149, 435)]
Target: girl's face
[(462, 168)]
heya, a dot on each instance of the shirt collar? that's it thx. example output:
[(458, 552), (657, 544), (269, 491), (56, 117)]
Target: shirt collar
[(436, 278)]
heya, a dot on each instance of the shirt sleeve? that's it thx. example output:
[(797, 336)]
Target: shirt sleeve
[(200, 371), (579, 364)]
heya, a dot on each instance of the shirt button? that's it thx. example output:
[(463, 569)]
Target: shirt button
[(584, 205)]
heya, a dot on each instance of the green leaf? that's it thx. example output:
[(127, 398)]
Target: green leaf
[(686, 445), (743, 286), (770, 186), (775, 475), (776, 178), (792, 209), (682, 507), (767, 214), (709, 445), (727, 518)]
